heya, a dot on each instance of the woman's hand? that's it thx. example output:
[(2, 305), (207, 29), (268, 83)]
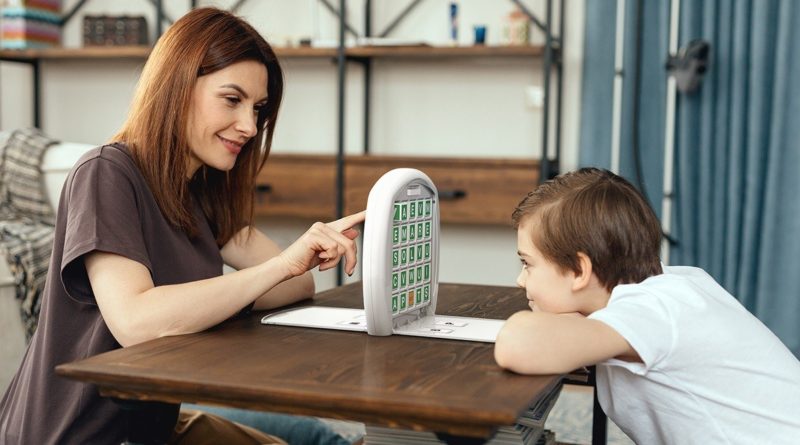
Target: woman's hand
[(324, 245)]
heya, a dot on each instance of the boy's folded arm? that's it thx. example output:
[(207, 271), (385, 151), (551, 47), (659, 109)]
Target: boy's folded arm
[(545, 343)]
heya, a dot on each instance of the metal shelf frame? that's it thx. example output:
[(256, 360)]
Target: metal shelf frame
[(552, 60)]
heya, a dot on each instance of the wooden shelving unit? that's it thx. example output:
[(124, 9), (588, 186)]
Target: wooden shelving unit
[(480, 188), (338, 167)]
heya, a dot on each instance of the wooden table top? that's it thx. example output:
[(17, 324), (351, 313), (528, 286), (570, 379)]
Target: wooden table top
[(418, 383)]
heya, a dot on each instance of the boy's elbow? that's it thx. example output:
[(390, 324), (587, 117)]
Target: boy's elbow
[(523, 346), (528, 360), (514, 347), (503, 354)]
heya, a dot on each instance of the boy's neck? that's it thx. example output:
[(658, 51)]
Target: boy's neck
[(595, 297)]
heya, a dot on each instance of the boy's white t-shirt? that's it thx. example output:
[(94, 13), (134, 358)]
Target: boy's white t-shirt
[(712, 373)]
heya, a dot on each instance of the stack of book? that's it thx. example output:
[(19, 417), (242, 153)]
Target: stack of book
[(30, 24), (529, 429)]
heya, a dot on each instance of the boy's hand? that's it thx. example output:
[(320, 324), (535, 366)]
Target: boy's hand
[(323, 245)]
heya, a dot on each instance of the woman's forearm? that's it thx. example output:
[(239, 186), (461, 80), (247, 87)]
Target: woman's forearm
[(135, 311)]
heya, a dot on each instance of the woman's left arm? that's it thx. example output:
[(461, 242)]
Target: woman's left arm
[(250, 247)]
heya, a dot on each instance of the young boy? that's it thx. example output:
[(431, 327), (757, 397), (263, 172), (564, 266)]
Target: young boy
[(679, 360)]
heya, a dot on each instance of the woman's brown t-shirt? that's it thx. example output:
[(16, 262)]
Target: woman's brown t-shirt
[(107, 206)]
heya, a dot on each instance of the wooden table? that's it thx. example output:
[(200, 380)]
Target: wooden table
[(447, 386)]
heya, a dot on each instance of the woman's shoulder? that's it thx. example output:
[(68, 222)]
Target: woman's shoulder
[(116, 152), (116, 156), (106, 167)]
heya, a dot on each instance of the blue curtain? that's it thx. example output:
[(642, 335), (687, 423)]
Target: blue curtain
[(737, 209), (737, 190), (598, 81)]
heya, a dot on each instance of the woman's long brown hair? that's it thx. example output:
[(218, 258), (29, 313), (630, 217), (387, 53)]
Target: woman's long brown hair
[(201, 42)]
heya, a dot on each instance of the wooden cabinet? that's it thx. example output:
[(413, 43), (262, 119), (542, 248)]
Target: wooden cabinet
[(471, 191), (297, 185)]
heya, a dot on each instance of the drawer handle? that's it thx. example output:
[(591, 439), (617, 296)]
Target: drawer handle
[(264, 188), (451, 195)]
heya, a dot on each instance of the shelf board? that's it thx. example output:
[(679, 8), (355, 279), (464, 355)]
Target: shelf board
[(141, 52), (447, 51), (131, 52), (304, 52), (93, 52)]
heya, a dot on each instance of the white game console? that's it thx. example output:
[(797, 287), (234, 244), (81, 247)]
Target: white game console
[(400, 270)]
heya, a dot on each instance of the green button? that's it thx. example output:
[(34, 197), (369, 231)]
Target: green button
[(404, 211), (394, 280), (403, 279), (395, 257), (428, 207), (426, 294), (403, 257), (396, 212), (427, 250), (395, 235), (394, 303), (420, 207), (402, 301), (411, 279), (419, 252), (419, 274), (403, 233), (412, 232), (410, 254), (427, 229), (419, 297), (412, 210), (427, 271)]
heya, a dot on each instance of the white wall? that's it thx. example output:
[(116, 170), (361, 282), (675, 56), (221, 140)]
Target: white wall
[(445, 107)]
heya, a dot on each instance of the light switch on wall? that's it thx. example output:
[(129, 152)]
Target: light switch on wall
[(534, 96)]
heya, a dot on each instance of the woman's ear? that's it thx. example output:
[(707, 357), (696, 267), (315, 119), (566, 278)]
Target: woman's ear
[(583, 277)]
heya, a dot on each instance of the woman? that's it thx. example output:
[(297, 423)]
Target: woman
[(145, 224)]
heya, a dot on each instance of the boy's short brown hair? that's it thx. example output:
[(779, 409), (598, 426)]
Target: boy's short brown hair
[(600, 214)]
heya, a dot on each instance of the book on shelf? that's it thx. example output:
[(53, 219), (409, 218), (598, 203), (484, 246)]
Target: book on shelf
[(104, 30), (529, 429)]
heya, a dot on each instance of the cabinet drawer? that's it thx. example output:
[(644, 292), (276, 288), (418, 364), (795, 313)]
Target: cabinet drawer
[(297, 185), (471, 191)]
